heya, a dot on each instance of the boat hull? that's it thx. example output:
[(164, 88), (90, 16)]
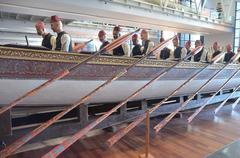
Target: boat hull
[(22, 70), (67, 92)]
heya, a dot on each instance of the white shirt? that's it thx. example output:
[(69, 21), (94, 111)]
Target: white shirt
[(65, 42)]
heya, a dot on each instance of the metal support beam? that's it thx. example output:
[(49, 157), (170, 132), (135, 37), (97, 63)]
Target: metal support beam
[(198, 96), (203, 5), (144, 105), (83, 114), (123, 110), (198, 7), (181, 99), (5, 124)]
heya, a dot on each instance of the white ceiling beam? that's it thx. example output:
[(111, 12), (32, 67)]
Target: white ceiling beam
[(114, 13)]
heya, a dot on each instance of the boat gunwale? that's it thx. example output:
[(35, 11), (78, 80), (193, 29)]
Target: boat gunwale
[(57, 56)]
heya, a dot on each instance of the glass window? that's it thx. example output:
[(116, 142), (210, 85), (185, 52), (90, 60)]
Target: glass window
[(237, 23), (238, 15), (193, 38), (235, 49), (168, 34), (184, 38), (237, 28), (238, 5), (236, 43), (237, 33)]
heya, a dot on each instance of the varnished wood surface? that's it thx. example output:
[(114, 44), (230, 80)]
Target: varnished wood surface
[(203, 136), (37, 70)]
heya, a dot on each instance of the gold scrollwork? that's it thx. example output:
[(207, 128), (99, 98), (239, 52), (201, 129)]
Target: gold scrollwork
[(54, 56)]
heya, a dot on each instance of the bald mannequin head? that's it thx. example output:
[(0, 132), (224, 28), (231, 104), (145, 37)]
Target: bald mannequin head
[(135, 39), (162, 39), (188, 45), (144, 35), (198, 43), (229, 48), (216, 46), (102, 35), (116, 32), (175, 42)]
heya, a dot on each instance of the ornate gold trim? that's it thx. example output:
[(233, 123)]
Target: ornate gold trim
[(54, 56)]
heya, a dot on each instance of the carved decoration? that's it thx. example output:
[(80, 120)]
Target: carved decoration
[(50, 56), (34, 64)]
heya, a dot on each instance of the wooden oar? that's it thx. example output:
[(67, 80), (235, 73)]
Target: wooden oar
[(64, 73), (169, 117), (224, 102), (21, 141), (81, 45), (85, 43), (234, 105), (238, 86), (211, 98), (68, 142), (116, 137)]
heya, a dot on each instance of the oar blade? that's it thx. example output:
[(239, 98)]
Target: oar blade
[(195, 51), (218, 57), (234, 105), (162, 45), (121, 39)]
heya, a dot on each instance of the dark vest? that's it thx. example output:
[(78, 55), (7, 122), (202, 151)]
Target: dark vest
[(136, 50), (165, 53), (118, 51), (104, 44), (46, 42), (197, 57), (145, 47), (178, 52), (228, 56), (59, 44), (188, 52), (216, 53)]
